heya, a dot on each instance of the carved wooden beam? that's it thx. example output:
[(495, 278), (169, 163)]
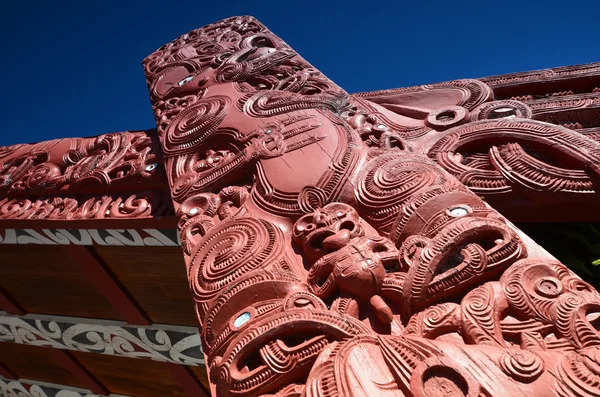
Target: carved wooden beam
[(111, 177), (169, 344), (338, 245)]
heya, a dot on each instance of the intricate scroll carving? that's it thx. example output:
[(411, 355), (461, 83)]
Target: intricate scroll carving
[(137, 205), (502, 156), (109, 176), (329, 255)]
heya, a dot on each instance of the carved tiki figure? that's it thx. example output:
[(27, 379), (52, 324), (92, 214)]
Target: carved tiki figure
[(336, 245)]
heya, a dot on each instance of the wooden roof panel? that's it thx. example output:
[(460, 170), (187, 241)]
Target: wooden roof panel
[(156, 279), (130, 376), (44, 279), (201, 374), (36, 363)]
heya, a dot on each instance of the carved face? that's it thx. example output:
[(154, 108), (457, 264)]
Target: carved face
[(247, 300), (327, 229), (466, 251), (550, 292), (277, 350), (230, 51), (212, 159)]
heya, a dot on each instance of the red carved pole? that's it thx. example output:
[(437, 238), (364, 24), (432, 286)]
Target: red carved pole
[(329, 255)]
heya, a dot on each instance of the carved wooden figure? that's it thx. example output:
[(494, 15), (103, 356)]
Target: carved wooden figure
[(338, 245)]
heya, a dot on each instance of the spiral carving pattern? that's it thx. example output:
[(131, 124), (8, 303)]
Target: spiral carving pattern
[(194, 125), (523, 365), (230, 250), (329, 255), (390, 180)]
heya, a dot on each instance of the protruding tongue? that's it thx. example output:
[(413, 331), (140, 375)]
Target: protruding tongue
[(337, 241)]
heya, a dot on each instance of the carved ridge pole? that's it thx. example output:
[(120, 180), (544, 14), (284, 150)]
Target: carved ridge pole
[(111, 176), (328, 255)]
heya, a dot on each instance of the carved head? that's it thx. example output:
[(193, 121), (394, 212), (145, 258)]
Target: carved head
[(327, 230), (229, 50), (549, 292)]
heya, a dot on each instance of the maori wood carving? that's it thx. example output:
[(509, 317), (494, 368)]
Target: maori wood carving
[(338, 245), (177, 346), (110, 176)]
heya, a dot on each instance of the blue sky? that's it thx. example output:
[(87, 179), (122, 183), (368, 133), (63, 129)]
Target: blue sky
[(73, 68)]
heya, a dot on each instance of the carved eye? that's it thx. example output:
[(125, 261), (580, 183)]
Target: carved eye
[(151, 167), (185, 80), (457, 212), (503, 113), (548, 287), (241, 319)]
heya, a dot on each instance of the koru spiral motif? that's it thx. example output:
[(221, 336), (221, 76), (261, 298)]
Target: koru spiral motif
[(344, 245), (116, 175)]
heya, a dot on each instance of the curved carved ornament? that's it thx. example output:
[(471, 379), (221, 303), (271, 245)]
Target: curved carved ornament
[(338, 245), (109, 176)]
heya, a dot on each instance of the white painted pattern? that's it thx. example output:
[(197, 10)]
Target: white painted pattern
[(178, 345), (112, 237), (31, 388)]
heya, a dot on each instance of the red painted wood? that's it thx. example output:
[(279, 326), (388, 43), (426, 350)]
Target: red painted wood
[(69, 362), (107, 284), (9, 304), (6, 373), (186, 379)]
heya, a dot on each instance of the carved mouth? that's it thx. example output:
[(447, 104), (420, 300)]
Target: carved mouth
[(592, 315), (315, 239), (276, 358), (328, 240)]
